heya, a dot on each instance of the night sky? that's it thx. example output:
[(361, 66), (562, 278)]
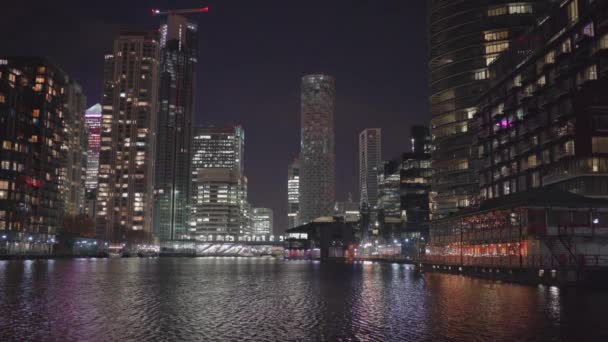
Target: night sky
[(252, 55)]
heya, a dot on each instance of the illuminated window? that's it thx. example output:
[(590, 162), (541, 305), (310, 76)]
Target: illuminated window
[(541, 81), (490, 36), (590, 73), (569, 147), (532, 161), (497, 10), (550, 57), (520, 8), (2, 98), (517, 81), (603, 42), (599, 144), (3, 194), (3, 185), (566, 46), (496, 47), (588, 30), (573, 11), (480, 75)]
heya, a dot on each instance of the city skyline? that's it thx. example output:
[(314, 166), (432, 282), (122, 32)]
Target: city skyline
[(253, 91), (304, 170)]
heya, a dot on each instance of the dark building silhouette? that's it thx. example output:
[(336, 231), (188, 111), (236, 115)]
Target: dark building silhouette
[(178, 62)]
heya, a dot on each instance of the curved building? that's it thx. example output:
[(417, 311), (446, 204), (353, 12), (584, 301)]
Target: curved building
[(317, 176), (465, 37)]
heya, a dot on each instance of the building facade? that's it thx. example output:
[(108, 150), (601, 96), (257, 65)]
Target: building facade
[(219, 209), (317, 154), (370, 165), (92, 119), (390, 221), (465, 38), (347, 210), (544, 121), (178, 62), (127, 156), (263, 225), (293, 194), (73, 172), (93, 125), (33, 99), (420, 139)]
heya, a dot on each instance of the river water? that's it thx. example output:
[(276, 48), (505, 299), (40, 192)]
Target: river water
[(264, 299)]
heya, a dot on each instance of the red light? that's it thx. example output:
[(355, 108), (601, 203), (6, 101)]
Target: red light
[(153, 11), (205, 9)]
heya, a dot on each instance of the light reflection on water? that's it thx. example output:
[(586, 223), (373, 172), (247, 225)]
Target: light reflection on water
[(263, 299)]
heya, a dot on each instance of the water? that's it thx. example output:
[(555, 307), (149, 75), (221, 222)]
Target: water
[(230, 299)]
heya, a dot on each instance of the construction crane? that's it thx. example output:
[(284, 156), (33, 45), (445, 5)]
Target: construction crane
[(157, 12)]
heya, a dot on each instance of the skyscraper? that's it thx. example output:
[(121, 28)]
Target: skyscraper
[(420, 139), (126, 157), (262, 222), (92, 119), (93, 124), (293, 194), (33, 104), (370, 165), (178, 61), (73, 171), (219, 208), (221, 147), (465, 37), (317, 156)]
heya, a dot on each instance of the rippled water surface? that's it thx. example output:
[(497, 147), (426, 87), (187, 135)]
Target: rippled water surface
[(206, 299)]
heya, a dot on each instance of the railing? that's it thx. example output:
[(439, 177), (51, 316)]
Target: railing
[(513, 261)]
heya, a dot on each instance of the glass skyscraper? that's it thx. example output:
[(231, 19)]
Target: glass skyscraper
[(178, 62), (93, 124), (465, 37), (262, 222), (370, 166), (317, 154), (293, 194)]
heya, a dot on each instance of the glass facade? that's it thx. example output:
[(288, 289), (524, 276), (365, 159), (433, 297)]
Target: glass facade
[(178, 63), (465, 38), (370, 161), (262, 222), (293, 194), (93, 125)]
